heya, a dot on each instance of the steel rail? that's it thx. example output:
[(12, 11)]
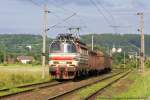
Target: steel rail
[(93, 95), (24, 86), (86, 85), (31, 87)]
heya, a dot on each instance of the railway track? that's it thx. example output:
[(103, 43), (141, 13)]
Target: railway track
[(28, 88), (99, 91), (53, 90), (24, 86), (62, 95)]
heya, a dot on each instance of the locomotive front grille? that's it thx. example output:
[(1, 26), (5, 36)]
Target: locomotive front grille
[(69, 62), (62, 69), (56, 62), (71, 69)]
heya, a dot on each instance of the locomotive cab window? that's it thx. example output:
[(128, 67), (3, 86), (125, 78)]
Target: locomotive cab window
[(69, 48), (64, 47), (55, 47)]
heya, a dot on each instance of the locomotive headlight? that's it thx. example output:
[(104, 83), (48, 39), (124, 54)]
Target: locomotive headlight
[(62, 62), (50, 62), (75, 63)]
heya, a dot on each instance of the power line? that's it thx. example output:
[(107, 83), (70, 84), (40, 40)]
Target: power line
[(100, 12), (70, 10), (62, 8), (57, 16), (111, 16), (64, 20), (33, 2)]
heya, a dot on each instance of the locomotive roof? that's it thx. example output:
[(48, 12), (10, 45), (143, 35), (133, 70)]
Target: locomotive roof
[(69, 37)]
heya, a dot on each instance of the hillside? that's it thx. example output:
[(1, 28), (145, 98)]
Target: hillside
[(14, 45), (128, 42)]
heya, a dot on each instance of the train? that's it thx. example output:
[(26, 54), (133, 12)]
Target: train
[(70, 58)]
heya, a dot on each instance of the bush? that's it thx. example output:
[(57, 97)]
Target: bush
[(15, 77), (35, 63), (5, 64), (147, 64)]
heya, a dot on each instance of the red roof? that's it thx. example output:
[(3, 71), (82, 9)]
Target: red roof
[(25, 58)]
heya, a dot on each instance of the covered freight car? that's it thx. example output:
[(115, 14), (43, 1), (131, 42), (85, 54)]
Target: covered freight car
[(99, 62)]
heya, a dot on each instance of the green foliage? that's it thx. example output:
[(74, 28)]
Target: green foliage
[(83, 93), (15, 45), (132, 63), (1, 56), (140, 86), (147, 63), (118, 58), (20, 75), (124, 41)]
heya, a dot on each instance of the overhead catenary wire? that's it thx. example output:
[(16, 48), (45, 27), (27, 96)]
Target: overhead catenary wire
[(111, 16), (53, 13), (61, 7), (58, 17), (64, 20), (33, 2), (71, 10), (100, 12), (109, 13)]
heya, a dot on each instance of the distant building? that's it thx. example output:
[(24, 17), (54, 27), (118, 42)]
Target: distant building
[(25, 59)]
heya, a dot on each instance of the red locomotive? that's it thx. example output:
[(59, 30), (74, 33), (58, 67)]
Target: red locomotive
[(70, 58)]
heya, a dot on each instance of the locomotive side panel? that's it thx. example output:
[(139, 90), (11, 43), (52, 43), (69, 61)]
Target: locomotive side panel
[(83, 59)]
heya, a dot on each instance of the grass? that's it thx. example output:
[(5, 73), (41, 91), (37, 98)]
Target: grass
[(13, 90), (11, 76), (18, 65), (136, 85), (140, 87), (91, 89)]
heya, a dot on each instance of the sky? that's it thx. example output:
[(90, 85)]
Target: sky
[(26, 16)]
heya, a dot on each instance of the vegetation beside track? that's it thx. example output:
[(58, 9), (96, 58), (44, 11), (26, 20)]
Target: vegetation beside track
[(13, 91), (135, 86), (83, 93), (12, 76)]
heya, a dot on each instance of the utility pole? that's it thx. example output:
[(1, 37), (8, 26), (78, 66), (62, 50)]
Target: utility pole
[(124, 59), (92, 42), (44, 35), (142, 54), (136, 59), (4, 52)]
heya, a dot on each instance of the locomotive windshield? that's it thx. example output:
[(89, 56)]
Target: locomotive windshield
[(55, 47), (63, 47)]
